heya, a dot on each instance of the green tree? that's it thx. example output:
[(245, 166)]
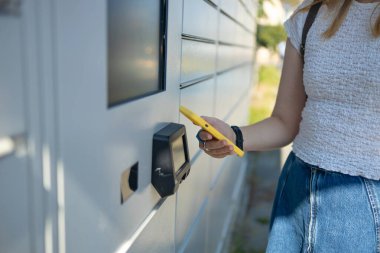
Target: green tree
[(260, 10), (269, 36)]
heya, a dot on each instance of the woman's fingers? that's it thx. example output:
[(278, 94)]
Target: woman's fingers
[(204, 135), (215, 145), (220, 151), (211, 146), (216, 148), (220, 155)]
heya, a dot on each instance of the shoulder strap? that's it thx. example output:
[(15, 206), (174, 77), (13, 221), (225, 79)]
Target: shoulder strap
[(308, 23)]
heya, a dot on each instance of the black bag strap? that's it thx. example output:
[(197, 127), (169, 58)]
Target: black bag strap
[(308, 23)]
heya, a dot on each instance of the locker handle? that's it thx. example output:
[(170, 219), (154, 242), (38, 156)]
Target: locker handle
[(12, 145)]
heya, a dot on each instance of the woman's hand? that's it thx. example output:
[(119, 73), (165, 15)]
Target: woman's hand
[(280, 128), (212, 146)]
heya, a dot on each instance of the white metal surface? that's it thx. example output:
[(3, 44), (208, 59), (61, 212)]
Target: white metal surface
[(200, 98), (198, 60), (229, 91), (12, 119), (97, 143), (15, 180), (232, 56), (229, 7), (158, 235), (200, 19), (220, 198), (191, 197), (63, 194), (197, 239), (14, 209)]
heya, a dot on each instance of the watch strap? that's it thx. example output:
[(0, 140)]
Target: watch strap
[(239, 136)]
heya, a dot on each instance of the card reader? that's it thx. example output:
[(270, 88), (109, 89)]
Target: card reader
[(170, 160)]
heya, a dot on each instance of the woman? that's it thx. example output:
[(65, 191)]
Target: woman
[(328, 105)]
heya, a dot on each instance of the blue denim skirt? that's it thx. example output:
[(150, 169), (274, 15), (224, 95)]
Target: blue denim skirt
[(322, 211)]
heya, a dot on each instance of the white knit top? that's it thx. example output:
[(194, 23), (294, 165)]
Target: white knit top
[(340, 126)]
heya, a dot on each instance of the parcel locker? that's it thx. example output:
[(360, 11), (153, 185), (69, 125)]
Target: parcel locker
[(90, 125)]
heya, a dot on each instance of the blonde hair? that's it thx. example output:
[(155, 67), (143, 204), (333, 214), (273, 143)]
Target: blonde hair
[(341, 15)]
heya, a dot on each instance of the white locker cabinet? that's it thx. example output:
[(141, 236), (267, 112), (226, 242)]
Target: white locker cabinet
[(200, 18), (14, 209), (244, 37), (198, 241), (238, 116), (100, 143), (158, 235), (220, 199), (198, 59), (234, 33), (244, 16), (84, 86), (229, 92), (230, 7), (227, 29), (232, 56), (200, 98), (15, 172), (12, 96), (191, 199), (252, 7)]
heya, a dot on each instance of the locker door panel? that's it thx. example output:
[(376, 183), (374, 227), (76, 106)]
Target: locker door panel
[(99, 143), (14, 177), (11, 74), (14, 212), (157, 236), (200, 19)]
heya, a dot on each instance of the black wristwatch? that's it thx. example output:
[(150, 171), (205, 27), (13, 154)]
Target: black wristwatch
[(239, 136)]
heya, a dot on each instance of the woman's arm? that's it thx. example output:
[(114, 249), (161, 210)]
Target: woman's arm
[(281, 127)]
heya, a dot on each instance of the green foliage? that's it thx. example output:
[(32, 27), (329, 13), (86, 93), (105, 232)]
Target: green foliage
[(260, 10), (265, 93), (269, 36), (269, 75), (258, 113), (293, 3)]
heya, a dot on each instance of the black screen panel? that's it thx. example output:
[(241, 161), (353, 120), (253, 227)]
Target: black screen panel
[(136, 49), (178, 150)]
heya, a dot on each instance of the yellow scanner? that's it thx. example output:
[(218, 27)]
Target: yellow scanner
[(197, 120)]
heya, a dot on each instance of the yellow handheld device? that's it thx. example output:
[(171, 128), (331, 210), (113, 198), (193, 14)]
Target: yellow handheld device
[(207, 127)]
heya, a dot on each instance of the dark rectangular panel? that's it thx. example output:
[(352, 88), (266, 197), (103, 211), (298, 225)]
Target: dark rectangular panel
[(136, 48), (178, 153)]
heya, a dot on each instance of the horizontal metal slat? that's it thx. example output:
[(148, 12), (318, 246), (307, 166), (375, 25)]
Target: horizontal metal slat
[(230, 56), (200, 19), (198, 60)]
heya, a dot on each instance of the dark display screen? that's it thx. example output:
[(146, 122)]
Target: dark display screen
[(179, 158), (134, 54)]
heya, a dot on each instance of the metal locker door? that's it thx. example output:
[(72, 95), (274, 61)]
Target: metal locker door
[(102, 136), (14, 174)]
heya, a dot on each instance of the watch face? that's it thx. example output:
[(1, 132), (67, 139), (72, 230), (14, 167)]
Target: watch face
[(178, 152)]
